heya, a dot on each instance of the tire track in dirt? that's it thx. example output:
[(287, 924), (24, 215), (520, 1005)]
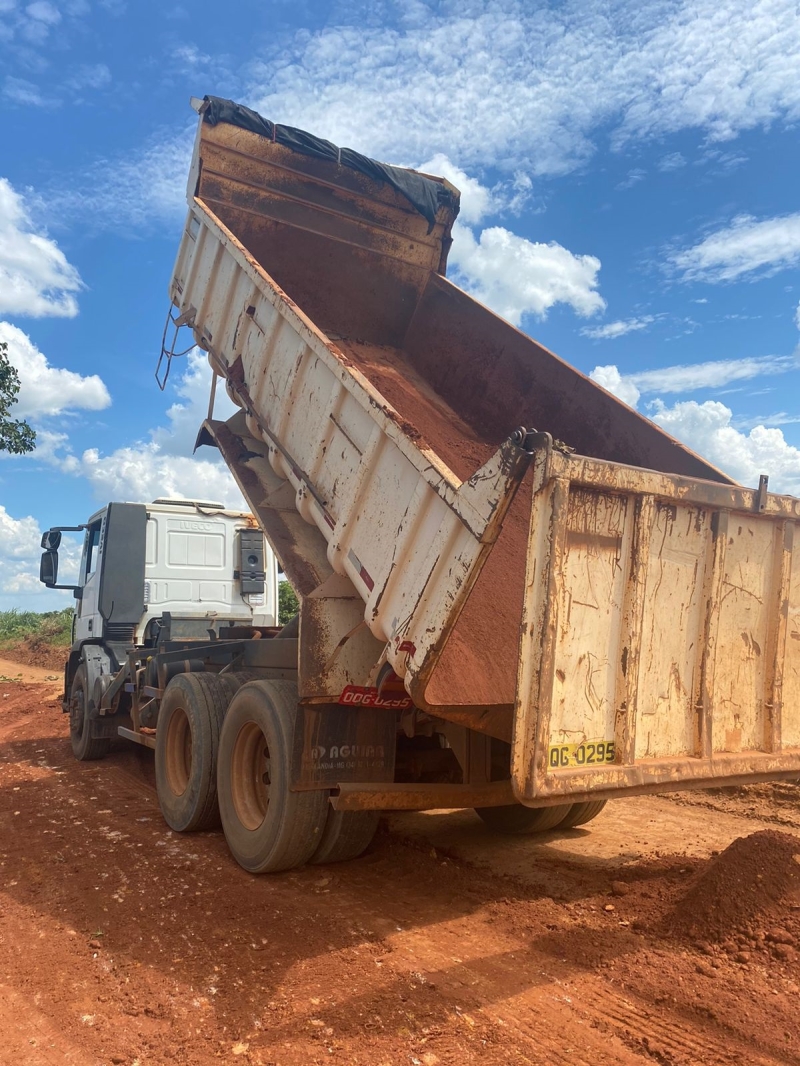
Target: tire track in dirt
[(177, 956)]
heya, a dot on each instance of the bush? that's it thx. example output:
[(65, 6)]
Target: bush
[(50, 627), (288, 604)]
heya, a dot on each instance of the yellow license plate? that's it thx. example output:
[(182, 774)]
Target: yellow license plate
[(587, 753)]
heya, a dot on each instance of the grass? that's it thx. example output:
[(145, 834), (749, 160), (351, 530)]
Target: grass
[(51, 627)]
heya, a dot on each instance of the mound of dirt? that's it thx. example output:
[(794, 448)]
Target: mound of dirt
[(751, 886), (36, 652)]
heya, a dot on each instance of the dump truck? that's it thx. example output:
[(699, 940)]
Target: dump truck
[(518, 595)]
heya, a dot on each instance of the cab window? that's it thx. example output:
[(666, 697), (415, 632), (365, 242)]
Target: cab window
[(90, 549)]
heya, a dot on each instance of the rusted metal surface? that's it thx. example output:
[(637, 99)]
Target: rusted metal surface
[(336, 647), (494, 376), (145, 739), (352, 253), (659, 634), (365, 796)]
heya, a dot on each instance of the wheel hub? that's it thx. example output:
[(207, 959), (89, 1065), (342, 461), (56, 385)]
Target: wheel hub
[(251, 779)]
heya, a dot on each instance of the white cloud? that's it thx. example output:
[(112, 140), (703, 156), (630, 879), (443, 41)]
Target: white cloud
[(611, 379), (22, 91), (720, 163), (186, 415), (745, 247), (130, 193), (797, 316), (500, 84), (687, 378), (528, 90), (713, 374), (89, 76), (17, 535), (707, 428), (673, 161), (162, 465), (143, 472), (477, 201), (35, 277), (43, 11), (19, 565), (47, 390), (33, 25), (190, 57), (515, 276), (632, 178), (618, 329)]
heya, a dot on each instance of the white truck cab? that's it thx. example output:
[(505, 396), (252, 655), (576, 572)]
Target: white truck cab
[(167, 574), (193, 560)]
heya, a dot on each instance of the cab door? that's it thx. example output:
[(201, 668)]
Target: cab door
[(88, 623)]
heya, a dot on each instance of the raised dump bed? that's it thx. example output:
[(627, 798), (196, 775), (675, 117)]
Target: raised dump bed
[(610, 604)]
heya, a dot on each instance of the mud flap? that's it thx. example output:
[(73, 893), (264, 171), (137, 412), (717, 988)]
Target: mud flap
[(336, 745)]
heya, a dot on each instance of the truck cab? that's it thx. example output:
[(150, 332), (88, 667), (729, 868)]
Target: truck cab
[(167, 570)]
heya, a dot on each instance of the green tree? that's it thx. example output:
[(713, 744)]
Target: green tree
[(16, 436), (288, 604)]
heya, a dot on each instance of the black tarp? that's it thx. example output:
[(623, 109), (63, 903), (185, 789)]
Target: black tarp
[(425, 195)]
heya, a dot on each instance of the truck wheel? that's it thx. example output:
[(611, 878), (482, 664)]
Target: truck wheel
[(187, 742), (84, 745), (581, 813), (346, 835), (516, 819), (234, 679), (268, 828)]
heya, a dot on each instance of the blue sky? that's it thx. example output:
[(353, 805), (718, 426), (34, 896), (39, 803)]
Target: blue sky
[(629, 199)]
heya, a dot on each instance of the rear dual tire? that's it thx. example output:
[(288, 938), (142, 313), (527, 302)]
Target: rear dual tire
[(187, 744), (516, 820), (268, 827), (223, 755), (347, 835)]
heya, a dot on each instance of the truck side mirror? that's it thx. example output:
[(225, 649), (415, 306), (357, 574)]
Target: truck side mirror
[(51, 540), (48, 568)]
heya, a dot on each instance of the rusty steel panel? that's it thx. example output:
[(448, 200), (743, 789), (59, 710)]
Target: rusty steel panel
[(353, 253), (366, 796), (659, 637)]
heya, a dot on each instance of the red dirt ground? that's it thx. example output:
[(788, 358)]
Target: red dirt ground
[(122, 942)]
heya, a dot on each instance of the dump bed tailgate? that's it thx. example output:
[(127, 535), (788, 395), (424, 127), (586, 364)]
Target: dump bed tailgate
[(660, 638)]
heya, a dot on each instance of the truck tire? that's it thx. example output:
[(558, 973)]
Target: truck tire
[(268, 828), (234, 679), (518, 820), (85, 746), (346, 835), (187, 743), (581, 813)]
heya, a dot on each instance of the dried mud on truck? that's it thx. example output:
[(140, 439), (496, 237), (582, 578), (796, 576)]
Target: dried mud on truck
[(489, 618)]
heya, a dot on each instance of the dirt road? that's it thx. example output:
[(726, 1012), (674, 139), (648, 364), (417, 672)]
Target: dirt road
[(122, 942)]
